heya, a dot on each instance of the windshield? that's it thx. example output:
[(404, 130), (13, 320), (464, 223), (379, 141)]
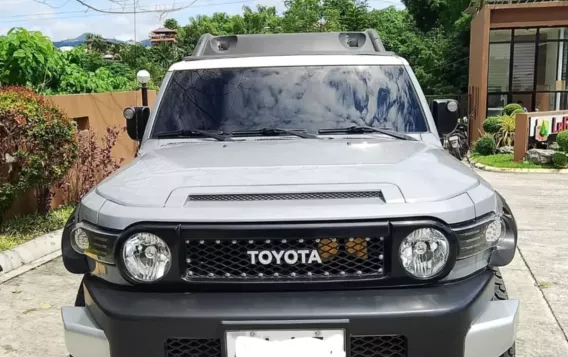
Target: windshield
[(300, 98)]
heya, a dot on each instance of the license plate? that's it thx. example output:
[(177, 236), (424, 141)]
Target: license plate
[(454, 140), (286, 343)]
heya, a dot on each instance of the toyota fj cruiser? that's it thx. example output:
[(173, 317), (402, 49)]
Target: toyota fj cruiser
[(291, 197)]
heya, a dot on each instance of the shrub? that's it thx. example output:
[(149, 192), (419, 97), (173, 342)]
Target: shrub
[(506, 134), (559, 160), (491, 125), (510, 108), (37, 145), (517, 111), (485, 145), (562, 140), (94, 163)]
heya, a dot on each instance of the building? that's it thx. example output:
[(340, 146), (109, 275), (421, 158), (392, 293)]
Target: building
[(518, 54), (163, 35)]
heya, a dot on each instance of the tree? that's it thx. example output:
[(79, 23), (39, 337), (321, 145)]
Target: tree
[(429, 14), (171, 24), (97, 43), (28, 58)]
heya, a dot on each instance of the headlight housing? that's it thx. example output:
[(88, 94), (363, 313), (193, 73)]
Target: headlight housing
[(95, 242), (480, 236), (424, 253), (146, 257)]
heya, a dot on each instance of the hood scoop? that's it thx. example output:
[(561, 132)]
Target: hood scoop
[(290, 196)]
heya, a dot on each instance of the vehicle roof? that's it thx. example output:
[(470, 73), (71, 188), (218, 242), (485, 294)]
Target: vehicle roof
[(288, 61)]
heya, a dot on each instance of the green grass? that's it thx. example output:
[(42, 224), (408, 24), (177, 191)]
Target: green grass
[(506, 161), (21, 229)]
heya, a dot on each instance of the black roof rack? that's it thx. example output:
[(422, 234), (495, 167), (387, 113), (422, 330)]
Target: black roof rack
[(366, 42)]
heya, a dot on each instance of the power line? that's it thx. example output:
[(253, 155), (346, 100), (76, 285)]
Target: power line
[(110, 9), (86, 15)]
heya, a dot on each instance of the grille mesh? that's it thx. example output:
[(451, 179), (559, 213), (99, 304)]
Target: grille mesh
[(361, 346), (295, 259), (288, 196), (185, 347), (378, 346)]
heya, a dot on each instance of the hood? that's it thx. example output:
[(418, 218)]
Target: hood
[(407, 171)]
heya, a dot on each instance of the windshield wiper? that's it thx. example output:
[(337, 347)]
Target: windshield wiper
[(274, 132), (193, 132), (361, 129)]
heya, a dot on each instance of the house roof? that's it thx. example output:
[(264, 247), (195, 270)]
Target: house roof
[(165, 30)]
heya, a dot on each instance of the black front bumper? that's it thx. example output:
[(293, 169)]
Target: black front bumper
[(433, 320)]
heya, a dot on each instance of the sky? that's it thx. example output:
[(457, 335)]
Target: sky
[(66, 19)]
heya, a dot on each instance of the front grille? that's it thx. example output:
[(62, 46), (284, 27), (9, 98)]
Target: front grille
[(378, 346), (284, 259), (185, 347), (288, 196), (361, 346)]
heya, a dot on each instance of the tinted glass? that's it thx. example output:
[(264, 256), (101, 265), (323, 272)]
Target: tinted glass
[(523, 67), (308, 98), (525, 35), (552, 34), (499, 64), (500, 35)]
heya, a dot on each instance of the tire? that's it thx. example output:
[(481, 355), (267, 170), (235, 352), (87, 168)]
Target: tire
[(510, 352), (500, 293), (500, 289)]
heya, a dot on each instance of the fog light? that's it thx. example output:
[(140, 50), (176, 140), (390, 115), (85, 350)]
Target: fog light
[(495, 230), (147, 258), (424, 253), (80, 240)]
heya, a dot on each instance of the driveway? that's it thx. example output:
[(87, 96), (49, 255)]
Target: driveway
[(539, 274), (29, 304)]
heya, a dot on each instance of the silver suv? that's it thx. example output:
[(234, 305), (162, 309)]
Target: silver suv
[(291, 197)]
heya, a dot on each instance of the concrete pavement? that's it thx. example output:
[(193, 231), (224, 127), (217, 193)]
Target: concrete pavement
[(30, 324), (539, 274)]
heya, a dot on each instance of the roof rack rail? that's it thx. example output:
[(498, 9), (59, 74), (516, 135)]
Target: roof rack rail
[(365, 42)]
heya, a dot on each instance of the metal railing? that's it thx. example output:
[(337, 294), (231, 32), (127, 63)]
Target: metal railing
[(516, 1)]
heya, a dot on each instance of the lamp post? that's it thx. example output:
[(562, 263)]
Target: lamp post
[(144, 77)]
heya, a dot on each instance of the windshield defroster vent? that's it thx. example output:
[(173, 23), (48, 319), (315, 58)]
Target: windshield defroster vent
[(289, 196)]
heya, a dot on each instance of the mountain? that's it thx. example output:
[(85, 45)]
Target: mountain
[(80, 40)]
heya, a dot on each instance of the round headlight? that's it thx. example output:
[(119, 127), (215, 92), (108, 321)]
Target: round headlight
[(495, 230), (146, 257), (424, 252), (452, 106), (80, 240)]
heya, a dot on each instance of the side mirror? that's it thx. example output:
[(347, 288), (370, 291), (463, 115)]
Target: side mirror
[(136, 120), (446, 115)]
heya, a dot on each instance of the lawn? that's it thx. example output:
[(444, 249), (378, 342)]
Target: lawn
[(506, 161), (21, 229)]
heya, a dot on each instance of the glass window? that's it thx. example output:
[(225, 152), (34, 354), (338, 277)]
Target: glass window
[(551, 101), (495, 104), (524, 99), (552, 34), (523, 67), (499, 57), (300, 97), (551, 66), (500, 35), (525, 35)]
